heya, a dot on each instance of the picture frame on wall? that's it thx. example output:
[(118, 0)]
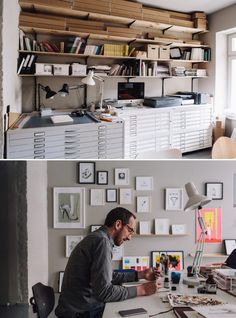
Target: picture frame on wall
[(138, 263), (126, 196), (230, 245), (162, 226), (69, 207), (71, 242), (122, 176), (176, 259), (97, 197), (102, 177), (95, 227), (111, 195), (60, 280), (174, 199), (86, 172), (214, 190), (144, 183), (178, 229), (143, 204)]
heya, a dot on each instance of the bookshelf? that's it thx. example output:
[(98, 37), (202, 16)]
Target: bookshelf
[(159, 235), (210, 255)]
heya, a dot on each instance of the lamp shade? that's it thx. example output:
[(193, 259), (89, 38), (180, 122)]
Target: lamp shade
[(64, 91), (195, 199), (49, 93), (88, 80)]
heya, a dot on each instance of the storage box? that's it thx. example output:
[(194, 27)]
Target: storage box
[(78, 69), (164, 52), (200, 23), (61, 69), (43, 69), (141, 54), (153, 51)]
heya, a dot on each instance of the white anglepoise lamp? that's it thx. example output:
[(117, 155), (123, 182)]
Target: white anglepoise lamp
[(196, 201), (90, 80)]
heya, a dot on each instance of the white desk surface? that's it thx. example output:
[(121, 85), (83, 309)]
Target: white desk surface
[(153, 304)]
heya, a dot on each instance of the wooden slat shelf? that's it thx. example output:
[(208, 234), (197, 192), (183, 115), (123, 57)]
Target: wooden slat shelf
[(170, 43), (210, 255), (155, 235)]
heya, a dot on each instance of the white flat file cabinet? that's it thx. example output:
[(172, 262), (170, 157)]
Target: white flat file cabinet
[(188, 128), (73, 141)]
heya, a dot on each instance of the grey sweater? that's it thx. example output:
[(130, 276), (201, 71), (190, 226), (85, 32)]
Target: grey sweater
[(89, 280)]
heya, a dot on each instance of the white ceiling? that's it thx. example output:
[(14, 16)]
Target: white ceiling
[(207, 6)]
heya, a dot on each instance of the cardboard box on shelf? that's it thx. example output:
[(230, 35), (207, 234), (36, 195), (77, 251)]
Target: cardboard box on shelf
[(61, 69), (141, 54), (78, 69), (153, 51), (164, 52), (200, 23)]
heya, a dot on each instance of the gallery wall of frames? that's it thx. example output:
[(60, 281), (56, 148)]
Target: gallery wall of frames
[(83, 193)]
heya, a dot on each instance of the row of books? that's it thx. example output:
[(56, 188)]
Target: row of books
[(182, 71), (154, 69), (26, 64)]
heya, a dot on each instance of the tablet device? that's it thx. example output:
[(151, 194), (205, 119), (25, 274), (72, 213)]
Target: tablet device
[(132, 312)]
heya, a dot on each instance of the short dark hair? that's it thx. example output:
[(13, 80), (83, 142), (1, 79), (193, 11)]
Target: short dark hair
[(118, 213)]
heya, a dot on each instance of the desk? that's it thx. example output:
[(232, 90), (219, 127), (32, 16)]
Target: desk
[(153, 304)]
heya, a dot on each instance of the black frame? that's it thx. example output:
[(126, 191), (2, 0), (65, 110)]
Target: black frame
[(167, 251), (216, 183), (175, 56), (107, 193), (227, 252), (91, 227), (100, 171), (93, 172)]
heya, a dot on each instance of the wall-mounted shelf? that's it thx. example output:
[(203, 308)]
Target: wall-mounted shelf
[(210, 255), (155, 235)]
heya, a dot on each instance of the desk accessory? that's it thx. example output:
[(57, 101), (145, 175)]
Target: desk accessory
[(132, 312)]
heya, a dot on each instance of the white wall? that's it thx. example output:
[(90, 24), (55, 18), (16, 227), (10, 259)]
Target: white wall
[(37, 223), (11, 82)]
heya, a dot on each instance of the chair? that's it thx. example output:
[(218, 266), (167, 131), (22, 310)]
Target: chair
[(43, 300), (162, 154), (231, 260), (224, 148)]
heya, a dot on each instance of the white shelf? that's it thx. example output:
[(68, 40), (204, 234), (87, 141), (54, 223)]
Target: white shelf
[(156, 235), (211, 255)]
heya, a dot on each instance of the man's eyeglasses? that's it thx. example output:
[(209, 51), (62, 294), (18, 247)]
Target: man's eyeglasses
[(131, 231)]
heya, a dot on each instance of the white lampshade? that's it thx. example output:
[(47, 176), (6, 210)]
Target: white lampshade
[(195, 199), (88, 80)]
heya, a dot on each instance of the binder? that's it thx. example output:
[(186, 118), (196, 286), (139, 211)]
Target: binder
[(24, 67), (31, 63), (21, 66)]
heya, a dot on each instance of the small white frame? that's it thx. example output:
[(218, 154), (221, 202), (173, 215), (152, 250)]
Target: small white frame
[(178, 229), (174, 199), (143, 204), (71, 242), (122, 176), (126, 196), (144, 183), (97, 197)]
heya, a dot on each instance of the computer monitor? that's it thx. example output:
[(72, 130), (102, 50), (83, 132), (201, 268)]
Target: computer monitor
[(130, 92)]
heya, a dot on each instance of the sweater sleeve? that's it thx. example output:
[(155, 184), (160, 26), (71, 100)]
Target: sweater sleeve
[(120, 277), (101, 276)]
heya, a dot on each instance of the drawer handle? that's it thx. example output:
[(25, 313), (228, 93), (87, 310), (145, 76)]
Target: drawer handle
[(39, 134), (39, 157), (39, 139), (101, 127), (38, 152), (70, 131), (101, 142), (39, 146), (70, 153)]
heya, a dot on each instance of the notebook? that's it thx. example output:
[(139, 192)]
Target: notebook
[(59, 119)]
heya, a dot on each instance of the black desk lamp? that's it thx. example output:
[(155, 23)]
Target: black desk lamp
[(49, 93), (65, 90)]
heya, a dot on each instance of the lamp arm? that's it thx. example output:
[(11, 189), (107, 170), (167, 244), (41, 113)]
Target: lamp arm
[(76, 87)]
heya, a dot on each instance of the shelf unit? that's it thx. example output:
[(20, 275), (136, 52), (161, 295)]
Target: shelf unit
[(158, 235), (210, 255)]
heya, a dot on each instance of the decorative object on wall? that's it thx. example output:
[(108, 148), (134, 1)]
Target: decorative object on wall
[(162, 226), (122, 176), (117, 253), (174, 199), (214, 190), (111, 195), (213, 224), (102, 177), (178, 229), (176, 259), (86, 172), (97, 196), (234, 190), (143, 204), (71, 242), (230, 245), (126, 196), (95, 227), (137, 263), (69, 207), (61, 275), (144, 183), (144, 227)]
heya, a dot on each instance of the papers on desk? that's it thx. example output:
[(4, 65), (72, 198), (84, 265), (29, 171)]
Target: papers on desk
[(221, 311), (60, 119)]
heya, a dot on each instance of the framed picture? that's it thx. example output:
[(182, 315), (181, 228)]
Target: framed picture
[(86, 172), (137, 263), (97, 197), (178, 229), (174, 199), (144, 183), (230, 245), (69, 208), (60, 279), (126, 196), (144, 227), (214, 190), (71, 242), (143, 204), (212, 218), (95, 227), (102, 177), (162, 226), (122, 176), (111, 195), (176, 259), (117, 252)]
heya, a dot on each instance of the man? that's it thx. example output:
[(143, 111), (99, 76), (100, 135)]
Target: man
[(89, 281)]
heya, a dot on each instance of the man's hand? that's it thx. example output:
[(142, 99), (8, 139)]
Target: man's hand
[(147, 289), (149, 274)]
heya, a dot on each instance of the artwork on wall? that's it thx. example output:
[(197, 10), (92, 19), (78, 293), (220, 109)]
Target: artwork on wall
[(69, 207), (126, 196), (111, 195), (230, 245), (61, 275), (178, 229), (212, 218), (144, 227), (97, 197), (122, 176), (102, 177), (162, 226), (71, 242), (176, 259), (144, 183), (214, 190), (95, 227), (117, 253), (86, 172), (143, 204), (137, 263), (174, 199)]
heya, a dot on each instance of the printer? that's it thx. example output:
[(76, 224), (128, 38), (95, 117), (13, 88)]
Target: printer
[(164, 101), (199, 98)]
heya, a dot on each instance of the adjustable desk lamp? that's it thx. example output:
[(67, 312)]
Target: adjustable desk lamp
[(196, 201), (49, 94)]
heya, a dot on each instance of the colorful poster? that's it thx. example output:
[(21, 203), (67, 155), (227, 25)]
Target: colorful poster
[(139, 263), (212, 218)]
